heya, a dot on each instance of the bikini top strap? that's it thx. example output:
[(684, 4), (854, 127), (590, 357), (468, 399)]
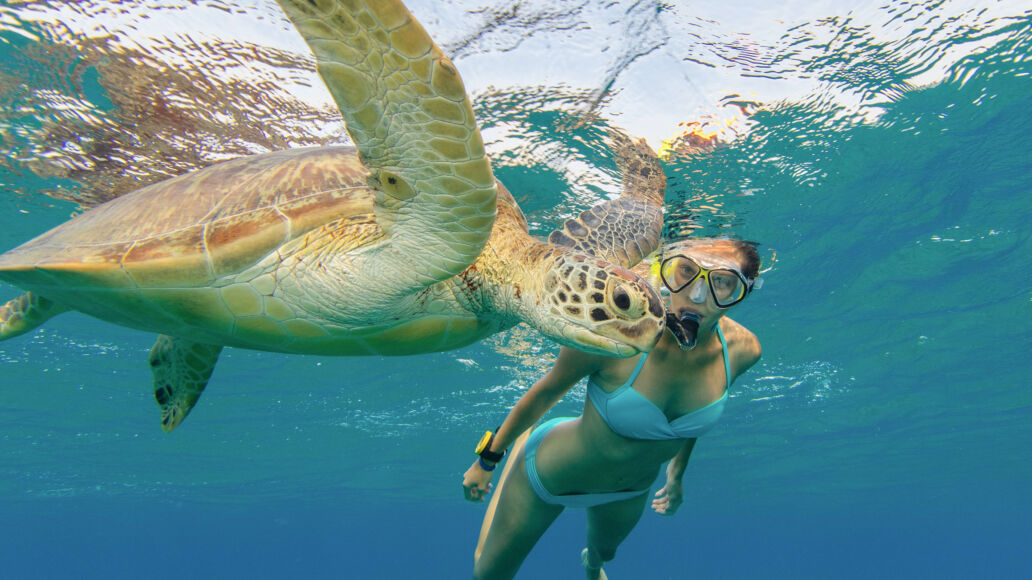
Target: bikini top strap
[(637, 369), (727, 359)]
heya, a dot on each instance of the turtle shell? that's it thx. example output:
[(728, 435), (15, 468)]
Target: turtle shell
[(191, 230)]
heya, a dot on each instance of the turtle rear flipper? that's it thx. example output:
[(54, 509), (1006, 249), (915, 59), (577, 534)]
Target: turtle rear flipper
[(626, 229), (25, 313), (181, 370)]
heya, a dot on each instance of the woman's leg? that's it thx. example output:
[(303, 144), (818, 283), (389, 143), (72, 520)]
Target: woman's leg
[(608, 526), (517, 449), (515, 520)]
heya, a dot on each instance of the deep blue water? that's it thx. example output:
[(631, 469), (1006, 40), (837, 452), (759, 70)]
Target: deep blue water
[(62, 539), (880, 157)]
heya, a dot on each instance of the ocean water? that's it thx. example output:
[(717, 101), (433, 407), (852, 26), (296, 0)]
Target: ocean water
[(878, 153)]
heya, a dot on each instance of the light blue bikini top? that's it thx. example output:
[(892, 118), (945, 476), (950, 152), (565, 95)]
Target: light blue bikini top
[(630, 414)]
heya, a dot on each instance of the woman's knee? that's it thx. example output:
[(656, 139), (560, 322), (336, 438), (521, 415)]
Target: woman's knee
[(605, 553), (610, 524)]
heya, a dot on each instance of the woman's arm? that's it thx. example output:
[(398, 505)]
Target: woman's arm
[(671, 497), (743, 346), (570, 367)]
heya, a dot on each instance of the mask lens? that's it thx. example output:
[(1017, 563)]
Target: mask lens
[(728, 287), (678, 272)]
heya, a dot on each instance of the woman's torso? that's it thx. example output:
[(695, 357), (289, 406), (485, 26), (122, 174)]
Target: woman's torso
[(586, 455)]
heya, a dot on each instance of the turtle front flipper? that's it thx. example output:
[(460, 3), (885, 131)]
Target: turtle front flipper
[(407, 111), (181, 370), (25, 313), (626, 229)]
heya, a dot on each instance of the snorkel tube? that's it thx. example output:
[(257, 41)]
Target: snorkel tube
[(685, 329)]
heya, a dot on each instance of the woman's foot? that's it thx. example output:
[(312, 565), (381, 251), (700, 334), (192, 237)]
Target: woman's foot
[(593, 570)]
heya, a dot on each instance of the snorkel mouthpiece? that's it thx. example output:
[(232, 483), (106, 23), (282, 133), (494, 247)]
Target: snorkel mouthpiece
[(685, 329)]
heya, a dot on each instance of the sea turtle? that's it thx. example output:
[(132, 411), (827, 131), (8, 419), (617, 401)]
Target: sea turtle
[(392, 248)]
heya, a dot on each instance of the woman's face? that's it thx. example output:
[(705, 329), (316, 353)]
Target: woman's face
[(704, 282)]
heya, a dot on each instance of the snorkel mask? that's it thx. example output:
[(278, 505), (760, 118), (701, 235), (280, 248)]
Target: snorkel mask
[(726, 284)]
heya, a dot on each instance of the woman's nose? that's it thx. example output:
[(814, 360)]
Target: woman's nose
[(697, 292)]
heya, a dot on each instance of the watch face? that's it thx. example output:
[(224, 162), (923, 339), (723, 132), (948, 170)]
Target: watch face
[(484, 442)]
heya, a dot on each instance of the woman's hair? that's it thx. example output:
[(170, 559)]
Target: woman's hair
[(746, 251)]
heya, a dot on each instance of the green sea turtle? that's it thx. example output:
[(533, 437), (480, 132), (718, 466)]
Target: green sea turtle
[(392, 248)]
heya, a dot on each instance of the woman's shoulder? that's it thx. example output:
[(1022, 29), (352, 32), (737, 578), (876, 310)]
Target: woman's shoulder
[(576, 362), (742, 345), (607, 371)]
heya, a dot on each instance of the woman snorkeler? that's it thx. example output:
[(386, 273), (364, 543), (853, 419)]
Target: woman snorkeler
[(640, 412)]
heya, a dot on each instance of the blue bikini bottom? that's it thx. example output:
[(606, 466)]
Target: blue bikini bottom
[(581, 500)]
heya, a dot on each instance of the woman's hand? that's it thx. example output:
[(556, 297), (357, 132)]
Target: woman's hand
[(669, 498), (476, 482)]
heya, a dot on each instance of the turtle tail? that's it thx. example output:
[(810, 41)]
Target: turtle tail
[(25, 313)]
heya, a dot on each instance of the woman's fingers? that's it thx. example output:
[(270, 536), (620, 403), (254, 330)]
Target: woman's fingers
[(475, 492), (660, 504), (665, 504), (483, 491)]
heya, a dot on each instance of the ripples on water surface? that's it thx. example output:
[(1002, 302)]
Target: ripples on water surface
[(879, 155)]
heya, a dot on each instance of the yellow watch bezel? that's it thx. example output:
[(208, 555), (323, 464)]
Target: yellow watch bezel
[(484, 442)]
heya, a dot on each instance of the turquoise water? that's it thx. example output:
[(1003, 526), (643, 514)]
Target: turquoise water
[(878, 155)]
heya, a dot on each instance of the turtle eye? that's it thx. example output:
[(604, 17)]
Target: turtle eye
[(626, 301), (621, 299)]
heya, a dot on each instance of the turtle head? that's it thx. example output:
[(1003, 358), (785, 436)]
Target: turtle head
[(595, 306)]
